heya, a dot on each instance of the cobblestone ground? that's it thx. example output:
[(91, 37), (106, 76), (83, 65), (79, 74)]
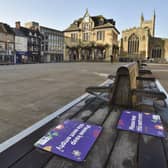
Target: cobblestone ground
[(31, 92)]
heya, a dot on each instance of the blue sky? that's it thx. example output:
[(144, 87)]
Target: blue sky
[(59, 14)]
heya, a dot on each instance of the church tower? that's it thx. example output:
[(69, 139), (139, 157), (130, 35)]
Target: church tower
[(153, 23), (142, 19), (148, 24)]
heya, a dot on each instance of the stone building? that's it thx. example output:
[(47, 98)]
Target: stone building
[(91, 38), (141, 43), (35, 42), (21, 44), (7, 44), (53, 44)]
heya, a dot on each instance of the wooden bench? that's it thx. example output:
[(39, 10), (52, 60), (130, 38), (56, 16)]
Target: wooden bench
[(114, 148), (127, 87)]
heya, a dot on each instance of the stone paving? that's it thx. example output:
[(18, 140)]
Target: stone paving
[(31, 92)]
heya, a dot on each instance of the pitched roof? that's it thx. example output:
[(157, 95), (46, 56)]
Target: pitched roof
[(104, 26), (19, 32), (99, 21), (72, 27), (6, 28), (107, 25), (2, 28), (23, 31)]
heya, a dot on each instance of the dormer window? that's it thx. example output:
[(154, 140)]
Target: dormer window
[(76, 23), (86, 26), (101, 21)]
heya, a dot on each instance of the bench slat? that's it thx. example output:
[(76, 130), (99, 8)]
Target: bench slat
[(98, 155), (37, 158), (26, 145), (151, 153), (124, 153)]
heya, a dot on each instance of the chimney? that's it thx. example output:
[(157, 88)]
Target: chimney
[(17, 25)]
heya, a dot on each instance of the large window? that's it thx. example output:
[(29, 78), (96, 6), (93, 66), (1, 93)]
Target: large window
[(86, 37), (86, 26), (156, 52), (115, 37), (74, 36), (100, 35), (133, 45)]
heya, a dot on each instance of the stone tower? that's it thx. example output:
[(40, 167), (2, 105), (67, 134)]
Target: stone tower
[(153, 20), (142, 20), (148, 24)]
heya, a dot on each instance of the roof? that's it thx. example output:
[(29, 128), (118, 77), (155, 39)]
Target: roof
[(19, 32), (99, 21), (6, 28), (51, 29), (73, 27), (107, 25), (23, 31)]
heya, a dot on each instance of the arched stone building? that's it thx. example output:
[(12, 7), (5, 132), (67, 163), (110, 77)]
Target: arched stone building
[(141, 43)]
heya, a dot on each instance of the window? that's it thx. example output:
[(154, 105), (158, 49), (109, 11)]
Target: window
[(46, 37), (156, 52), (2, 46), (86, 36), (86, 26), (46, 47), (133, 45), (115, 37), (100, 35), (74, 37)]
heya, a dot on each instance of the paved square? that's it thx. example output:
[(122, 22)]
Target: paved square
[(31, 92)]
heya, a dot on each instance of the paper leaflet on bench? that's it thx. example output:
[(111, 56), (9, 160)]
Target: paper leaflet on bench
[(144, 123), (72, 139)]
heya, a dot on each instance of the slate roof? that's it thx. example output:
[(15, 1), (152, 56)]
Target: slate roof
[(23, 31), (19, 32), (97, 22), (6, 28), (107, 25)]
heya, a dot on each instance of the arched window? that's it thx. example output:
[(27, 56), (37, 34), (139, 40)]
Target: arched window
[(156, 52), (133, 45)]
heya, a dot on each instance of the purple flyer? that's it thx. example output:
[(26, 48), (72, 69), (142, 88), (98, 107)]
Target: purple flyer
[(144, 123), (72, 139)]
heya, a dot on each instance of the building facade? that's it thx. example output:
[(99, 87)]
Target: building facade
[(35, 42), (141, 43), (21, 44), (91, 38), (53, 44), (7, 44)]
